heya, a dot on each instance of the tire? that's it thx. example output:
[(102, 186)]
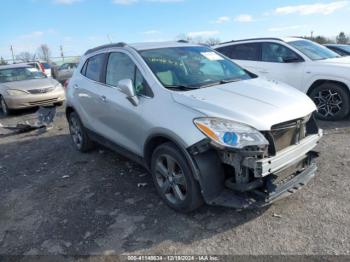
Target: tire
[(80, 138), (4, 108), (332, 101), (173, 179)]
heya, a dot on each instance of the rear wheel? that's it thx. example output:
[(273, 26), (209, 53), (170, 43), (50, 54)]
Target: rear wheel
[(4, 108), (80, 138), (174, 180), (332, 101)]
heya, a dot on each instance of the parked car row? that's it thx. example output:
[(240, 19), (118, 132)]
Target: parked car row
[(23, 86), (309, 67), (208, 130)]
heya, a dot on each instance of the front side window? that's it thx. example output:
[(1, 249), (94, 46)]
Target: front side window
[(94, 67), (192, 67), (276, 53), (19, 74), (312, 50), (121, 67)]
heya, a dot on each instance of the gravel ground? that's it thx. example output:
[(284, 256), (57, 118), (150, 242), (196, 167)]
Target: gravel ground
[(55, 200)]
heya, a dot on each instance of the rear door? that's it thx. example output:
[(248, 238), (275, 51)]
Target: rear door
[(88, 90), (247, 55), (281, 63)]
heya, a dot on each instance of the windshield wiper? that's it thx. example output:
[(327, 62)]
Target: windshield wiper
[(221, 82), (181, 87)]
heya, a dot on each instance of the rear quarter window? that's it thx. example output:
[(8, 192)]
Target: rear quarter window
[(93, 67)]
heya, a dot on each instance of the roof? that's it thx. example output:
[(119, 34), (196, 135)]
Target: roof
[(141, 46), (14, 66), (282, 39), (335, 45)]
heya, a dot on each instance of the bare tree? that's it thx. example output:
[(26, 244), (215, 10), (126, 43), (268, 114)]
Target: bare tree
[(199, 40), (3, 61), (44, 52), (342, 38), (25, 57)]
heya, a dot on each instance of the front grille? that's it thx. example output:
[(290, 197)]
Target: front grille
[(43, 102), (290, 133), (41, 90)]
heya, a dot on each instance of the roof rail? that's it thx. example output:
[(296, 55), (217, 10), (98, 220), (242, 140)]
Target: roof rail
[(182, 41), (92, 50), (252, 39)]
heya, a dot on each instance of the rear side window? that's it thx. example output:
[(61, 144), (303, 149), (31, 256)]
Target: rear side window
[(246, 52), (94, 67), (226, 50)]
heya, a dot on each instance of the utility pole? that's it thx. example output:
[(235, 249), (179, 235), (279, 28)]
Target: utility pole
[(109, 38), (13, 56), (62, 54), (312, 34)]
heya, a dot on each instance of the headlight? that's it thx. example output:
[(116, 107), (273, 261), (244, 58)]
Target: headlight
[(16, 92), (229, 133)]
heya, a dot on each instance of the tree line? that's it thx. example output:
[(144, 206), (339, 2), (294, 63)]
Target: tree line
[(44, 52)]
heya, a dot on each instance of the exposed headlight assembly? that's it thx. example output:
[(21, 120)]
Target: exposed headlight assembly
[(229, 133), (16, 92)]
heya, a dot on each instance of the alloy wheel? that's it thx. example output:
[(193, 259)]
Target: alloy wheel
[(329, 102), (76, 132), (171, 179)]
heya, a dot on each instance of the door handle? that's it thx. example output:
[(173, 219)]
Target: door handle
[(75, 86), (263, 72), (103, 98)]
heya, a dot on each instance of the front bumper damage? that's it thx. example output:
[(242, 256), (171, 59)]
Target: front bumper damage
[(247, 179)]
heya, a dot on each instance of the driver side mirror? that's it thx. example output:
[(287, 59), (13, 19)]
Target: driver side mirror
[(126, 87), (291, 59)]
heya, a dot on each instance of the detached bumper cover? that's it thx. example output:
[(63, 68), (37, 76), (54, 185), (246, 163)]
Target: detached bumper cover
[(231, 199)]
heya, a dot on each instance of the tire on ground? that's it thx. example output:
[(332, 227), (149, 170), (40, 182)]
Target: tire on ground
[(343, 94), (193, 198)]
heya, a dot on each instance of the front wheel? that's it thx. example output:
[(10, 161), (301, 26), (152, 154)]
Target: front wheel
[(174, 180), (332, 101)]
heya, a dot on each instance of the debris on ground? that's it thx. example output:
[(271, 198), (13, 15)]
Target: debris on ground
[(140, 185), (276, 215), (42, 121)]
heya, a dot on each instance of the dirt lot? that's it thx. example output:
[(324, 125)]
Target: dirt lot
[(54, 200)]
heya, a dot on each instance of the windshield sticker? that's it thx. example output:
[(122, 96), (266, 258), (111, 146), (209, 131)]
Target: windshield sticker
[(212, 56)]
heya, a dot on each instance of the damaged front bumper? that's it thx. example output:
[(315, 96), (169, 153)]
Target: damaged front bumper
[(244, 180)]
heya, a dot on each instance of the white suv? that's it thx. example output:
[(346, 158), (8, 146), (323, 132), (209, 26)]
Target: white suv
[(305, 65), (205, 128)]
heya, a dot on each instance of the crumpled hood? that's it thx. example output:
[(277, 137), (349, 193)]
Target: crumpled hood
[(259, 103), (31, 84), (341, 61)]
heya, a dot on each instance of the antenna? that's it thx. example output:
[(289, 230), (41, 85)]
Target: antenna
[(109, 39)]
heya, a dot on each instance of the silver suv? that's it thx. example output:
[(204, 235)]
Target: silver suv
[(206, 129)]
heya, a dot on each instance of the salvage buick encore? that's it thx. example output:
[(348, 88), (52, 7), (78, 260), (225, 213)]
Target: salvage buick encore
[(206, 129)]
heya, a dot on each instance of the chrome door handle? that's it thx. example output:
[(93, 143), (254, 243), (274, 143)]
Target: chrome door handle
[(263, 72), (103, 98), (75, 86)]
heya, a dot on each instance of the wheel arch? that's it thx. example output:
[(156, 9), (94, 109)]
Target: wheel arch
[(155, 140), (69, 110), (319, 82)]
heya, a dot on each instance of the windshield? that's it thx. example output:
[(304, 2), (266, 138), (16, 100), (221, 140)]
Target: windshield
[(19, 74), (312, 50), (345, 48), (194, 67)]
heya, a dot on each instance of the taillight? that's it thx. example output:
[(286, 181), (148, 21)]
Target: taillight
[(42, 68), (66, 84)]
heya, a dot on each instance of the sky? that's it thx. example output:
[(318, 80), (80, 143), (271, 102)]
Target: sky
[(78, 25)]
